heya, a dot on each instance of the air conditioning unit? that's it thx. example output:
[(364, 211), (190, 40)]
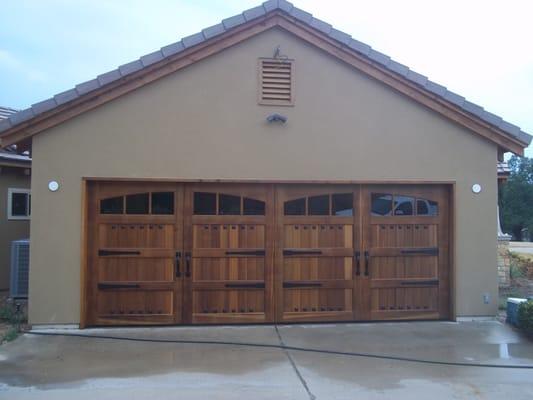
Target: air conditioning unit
[(20, 268)]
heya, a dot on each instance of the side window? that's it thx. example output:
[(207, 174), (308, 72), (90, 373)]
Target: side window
[(18, 204)]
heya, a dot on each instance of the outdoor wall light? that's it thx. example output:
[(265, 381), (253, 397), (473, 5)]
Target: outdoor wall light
[(53, 186), (476, 188), (276, 118)]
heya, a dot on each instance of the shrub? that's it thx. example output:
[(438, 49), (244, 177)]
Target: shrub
[(525, 316), (521, 265), (10, 314), (11, 334)]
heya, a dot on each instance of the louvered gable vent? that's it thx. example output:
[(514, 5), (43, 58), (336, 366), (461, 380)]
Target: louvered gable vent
[(276, 81)]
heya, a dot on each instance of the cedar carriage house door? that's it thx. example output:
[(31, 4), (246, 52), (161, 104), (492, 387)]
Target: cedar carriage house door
[(229, 253), (134, 231), (405, 238), (317, 243)]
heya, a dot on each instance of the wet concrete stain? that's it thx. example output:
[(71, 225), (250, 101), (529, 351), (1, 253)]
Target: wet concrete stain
[(51, 362)]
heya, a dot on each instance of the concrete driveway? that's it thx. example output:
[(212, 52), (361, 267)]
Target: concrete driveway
[(56, 367)]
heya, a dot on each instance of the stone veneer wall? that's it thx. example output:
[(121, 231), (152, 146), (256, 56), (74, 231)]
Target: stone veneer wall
[(504, 262)]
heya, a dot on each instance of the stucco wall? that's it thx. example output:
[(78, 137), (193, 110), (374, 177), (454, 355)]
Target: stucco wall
[(10, 229), (204, 122)]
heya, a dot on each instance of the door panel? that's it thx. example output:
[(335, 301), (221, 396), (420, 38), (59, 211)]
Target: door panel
[(133, 265), (230, 243), (405, 237), (315, 252)]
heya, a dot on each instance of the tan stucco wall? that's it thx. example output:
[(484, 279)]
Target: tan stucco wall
[(10, 229), (204, 122)]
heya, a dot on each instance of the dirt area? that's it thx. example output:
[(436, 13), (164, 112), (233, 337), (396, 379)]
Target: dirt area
[(10, 314)]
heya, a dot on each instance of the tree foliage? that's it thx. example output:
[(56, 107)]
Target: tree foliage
[(516, 197)]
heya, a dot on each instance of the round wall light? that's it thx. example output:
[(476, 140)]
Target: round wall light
[(476, 188), (53, 186)]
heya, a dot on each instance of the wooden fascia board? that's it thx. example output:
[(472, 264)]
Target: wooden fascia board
[(276, 18), (15, 164)]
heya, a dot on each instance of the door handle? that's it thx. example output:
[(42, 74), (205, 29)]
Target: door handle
[(104, 253), (118, 286), (245, 285), (432, 282), (178, 259), (357, 263), (300, 252), (301, 284), (187, 264), (245, 252), (367, 257), (430, 251)]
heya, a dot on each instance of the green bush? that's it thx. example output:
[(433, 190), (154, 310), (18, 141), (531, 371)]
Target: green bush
[(11, 334), (525, 316), (9, 314)]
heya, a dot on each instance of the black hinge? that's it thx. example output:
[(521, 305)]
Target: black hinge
[(177, 260), (430, 251), (300, 252), (245, 252), (118, 286), (245, 285), (104, 253), (433, 282), (300, 285)]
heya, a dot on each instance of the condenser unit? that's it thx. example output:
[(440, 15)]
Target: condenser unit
[(20, 268)]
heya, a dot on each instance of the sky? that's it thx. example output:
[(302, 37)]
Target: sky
[(482, 50)]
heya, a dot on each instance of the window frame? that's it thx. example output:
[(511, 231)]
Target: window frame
[(10, 192)]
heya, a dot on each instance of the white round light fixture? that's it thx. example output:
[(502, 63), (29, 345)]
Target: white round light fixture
[(476, 188), (53, 186)]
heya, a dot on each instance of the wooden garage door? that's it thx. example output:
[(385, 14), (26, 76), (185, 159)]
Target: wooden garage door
[(172, 253), (406, 253), (133, 275), (317, 237), (229, 250)]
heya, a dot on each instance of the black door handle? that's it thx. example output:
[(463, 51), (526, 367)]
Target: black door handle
[(245, 285), (357, 263), (178, 259), (432, 282), (187, 264), (297, 252), (245, 252), (430, 251), (367, 256), (104, 253), (118, 286), (301, 284)]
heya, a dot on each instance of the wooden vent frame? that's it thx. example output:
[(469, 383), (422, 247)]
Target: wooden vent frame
[(276, 82)]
